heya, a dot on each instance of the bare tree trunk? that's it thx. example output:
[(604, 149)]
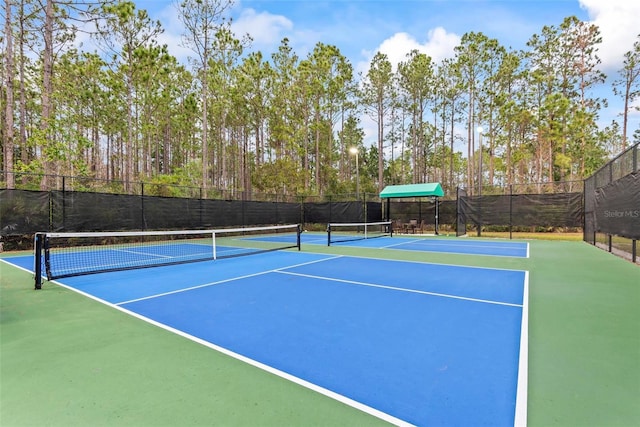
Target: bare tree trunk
[(417, 147), (23, 93), (451, 141), (317, 153), (129, 153), (491, 157), (380, 146), (8, 130), (47, 88), (470, 146), (205, 128), (550, 164)]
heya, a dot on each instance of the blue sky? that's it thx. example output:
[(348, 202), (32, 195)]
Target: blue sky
[(360, 28)]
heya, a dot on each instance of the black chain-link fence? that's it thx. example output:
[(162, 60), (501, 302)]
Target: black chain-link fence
[(606, 207), (520, 208), (69, 206), (612, 205)]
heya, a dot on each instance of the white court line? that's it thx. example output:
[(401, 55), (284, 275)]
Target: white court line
[(477, 244), (313, 241), (523, 362), (394, 288), (400, 244), (433, 263), (129, 251), (396, 246), (232, 279)]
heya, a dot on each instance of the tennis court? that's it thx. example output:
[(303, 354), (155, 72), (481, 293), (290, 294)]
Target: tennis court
[(408, 342), (384, 335), (379, 236), (446, 245)]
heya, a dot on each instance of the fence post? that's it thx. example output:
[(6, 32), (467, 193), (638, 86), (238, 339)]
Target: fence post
[(50, 211), (510, 211), (200, 207), (64, 205), (142, 206), (437, 201), (479, 224), (364, 207)]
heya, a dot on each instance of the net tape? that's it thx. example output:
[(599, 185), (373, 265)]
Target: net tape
[(346, 232)]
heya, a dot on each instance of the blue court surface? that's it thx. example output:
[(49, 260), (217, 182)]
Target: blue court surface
[(432, 244), (412, 343)]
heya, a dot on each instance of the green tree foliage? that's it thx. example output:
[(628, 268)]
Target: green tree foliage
[(236, 120), (377, 98), (628, 86)]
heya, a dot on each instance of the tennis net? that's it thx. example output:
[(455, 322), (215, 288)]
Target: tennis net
[(59, 255), (346, 232)]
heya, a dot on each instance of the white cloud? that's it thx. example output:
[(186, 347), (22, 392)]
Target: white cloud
[(618, 23), (439, 45), (266, 29)]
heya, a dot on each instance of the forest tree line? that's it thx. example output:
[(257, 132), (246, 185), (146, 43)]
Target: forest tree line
[(236, 119)]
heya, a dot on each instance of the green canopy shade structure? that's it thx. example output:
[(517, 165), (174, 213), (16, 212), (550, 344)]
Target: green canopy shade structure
[(429, 189)]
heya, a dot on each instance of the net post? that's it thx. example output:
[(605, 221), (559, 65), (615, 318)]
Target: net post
[(328, 234), (437, 199), (37, 256), (299, 236), (213, 244)]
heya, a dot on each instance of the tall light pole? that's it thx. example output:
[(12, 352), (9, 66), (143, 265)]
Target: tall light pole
[(480, 130), (354, 151)]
